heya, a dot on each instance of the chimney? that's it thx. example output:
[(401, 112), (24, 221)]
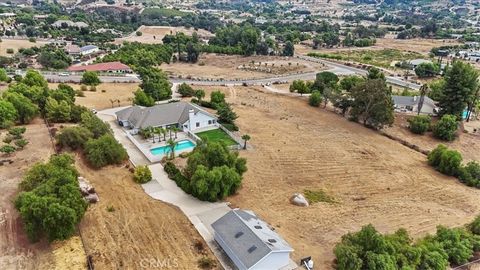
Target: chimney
[(191, 113)]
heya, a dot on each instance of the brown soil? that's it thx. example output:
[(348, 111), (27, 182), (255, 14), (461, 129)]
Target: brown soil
[(102, 100), (213, 66), (139, 232), (467, 143), (16, 251), (374, 179), (155, 34), (17, 44)]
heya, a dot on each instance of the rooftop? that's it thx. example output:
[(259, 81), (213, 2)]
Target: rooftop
[(248, 237), (411, 101), (158, 115)]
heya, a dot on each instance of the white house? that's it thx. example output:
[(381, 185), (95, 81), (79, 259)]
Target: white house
[(410, 104), (250, 243), (88, 49), (183, 115)]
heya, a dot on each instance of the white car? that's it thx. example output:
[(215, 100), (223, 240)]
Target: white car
[(63, 74), (93, 111)]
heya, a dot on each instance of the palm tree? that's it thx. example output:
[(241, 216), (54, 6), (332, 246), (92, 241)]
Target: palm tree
[(171, 146), (169, 132), (112, 101), (175, 130), (162, 132), (157, 131), (245, 138)]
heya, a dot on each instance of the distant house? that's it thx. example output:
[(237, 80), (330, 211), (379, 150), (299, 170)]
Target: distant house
[(68, 23), (8, 15), (186, 116), (72, 49), (88, 49), (410, 104), (110, 67), (416, 62), (250, 243)]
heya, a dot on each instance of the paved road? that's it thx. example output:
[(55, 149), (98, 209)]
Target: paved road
[(77, 78), (336, 68)]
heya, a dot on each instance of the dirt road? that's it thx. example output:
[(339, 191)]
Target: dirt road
[(374, 179)]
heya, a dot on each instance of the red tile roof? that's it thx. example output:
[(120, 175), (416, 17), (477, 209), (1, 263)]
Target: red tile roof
[(109, 66)]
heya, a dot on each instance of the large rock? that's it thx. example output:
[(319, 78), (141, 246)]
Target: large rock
[(299, 200)]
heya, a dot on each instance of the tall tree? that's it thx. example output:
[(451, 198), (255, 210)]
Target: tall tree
[(423, 93), (372, 103), (460, 87)]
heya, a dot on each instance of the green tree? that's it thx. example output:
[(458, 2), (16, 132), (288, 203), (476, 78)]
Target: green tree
[(315, 99), (57, 111), (349, 82), (3, 75), (142, 99), (34, 78), (446, 128), (427, 69), (419, 124), (372, 102), (226, 114), (171, 147), (299, 86), (104, 151), (155, 83), (375, 73), (90, 78), (142, 174), (475, 226), (217, 98), (8, 114), (26, 109), (445, 161), (95, 124), (460, 86), (249, 38), (199, 94), (21, 143), (185, 90), (74, 137), (289, 49), (325, 79)]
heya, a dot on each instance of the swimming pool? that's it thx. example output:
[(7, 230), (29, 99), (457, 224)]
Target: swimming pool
[(181, 145)]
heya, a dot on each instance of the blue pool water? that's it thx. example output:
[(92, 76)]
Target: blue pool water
[(181, 145)]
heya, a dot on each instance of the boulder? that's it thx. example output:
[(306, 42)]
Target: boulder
[(92, 198), (299, 200)]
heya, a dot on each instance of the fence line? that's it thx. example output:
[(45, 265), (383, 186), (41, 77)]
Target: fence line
[(89, 258)]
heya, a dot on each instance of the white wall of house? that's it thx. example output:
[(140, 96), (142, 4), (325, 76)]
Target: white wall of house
[(87, 52), (199, 120), (274, 260)]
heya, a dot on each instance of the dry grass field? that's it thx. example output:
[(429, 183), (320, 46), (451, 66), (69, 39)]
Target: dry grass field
[(137, 232), (101, 100), (16, 251), (17, 44), (155, 34), (215, 66), (372, 178)]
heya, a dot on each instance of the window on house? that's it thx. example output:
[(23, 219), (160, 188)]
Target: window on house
[(198, 124), (209, 122)]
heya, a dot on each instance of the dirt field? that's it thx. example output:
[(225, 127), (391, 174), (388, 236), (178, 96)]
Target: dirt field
[(419, 45), (214, 66), (139, 232), (101, 100), (467, 143), (16, 44), (373, 179), (155, 34), (16, 252)]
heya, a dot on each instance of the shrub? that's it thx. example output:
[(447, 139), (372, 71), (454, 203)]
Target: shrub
[(104, 151), (186, 90), (10, 51), (94, 124), (93, 88), (74, 137), (446, 128), (17, 132), (32, 39), (475, 226), (79, 93), (419, 124), (315, 99), (434, 157), (470, 174), (445, 161), (142, 174), (206, 263), (7, 149), (51, 203), (138, 33), (83, 88), (8, 139), (21, 143), (90, 78)]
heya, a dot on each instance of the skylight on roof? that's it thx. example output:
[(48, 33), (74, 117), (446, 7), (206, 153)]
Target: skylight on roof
[(252, 249)]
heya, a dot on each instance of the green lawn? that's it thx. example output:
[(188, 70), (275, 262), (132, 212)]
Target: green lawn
[(216, 135)]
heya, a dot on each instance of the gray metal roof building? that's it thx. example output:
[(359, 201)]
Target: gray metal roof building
[(249, 241)]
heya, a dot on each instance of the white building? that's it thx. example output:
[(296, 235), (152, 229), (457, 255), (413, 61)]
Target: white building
[(186, 116), (88, 49), (410, 104), (250, 243)]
